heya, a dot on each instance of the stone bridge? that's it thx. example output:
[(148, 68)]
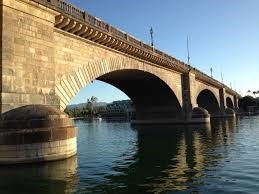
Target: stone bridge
[(52, 49)]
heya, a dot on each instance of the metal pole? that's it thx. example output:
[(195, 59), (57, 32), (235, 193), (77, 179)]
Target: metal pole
[(151, 34), (188, 52)]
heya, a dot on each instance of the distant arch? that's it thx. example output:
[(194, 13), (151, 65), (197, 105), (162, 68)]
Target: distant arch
[(206, 99), (229, 103)]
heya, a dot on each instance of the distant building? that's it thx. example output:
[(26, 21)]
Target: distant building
[(119, 110), (82, 105)]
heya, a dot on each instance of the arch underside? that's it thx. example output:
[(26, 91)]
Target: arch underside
[(229, 103), (152, 98), (207, 100), (155, 92)]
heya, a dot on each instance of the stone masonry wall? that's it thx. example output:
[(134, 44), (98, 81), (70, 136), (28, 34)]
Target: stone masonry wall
[(1, 42), (28, 67)]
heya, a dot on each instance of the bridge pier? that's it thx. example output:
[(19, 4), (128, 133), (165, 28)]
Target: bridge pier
[(222, 97), (36, 133), (236, 103), (188, 102), (226, 111), (192, 113)]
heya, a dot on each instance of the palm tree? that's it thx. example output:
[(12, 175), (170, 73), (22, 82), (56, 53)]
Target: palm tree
[(254, 93), (90, 105), (93, 99), (248, 92)]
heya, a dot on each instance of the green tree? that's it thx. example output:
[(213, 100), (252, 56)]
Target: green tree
[(90, 105), (254, 93), (247, 101), (69, 112), (88, 109)]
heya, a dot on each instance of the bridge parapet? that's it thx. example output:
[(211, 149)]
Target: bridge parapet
[(78, 14)]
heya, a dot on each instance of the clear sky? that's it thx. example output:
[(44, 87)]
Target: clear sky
[(223, 34)]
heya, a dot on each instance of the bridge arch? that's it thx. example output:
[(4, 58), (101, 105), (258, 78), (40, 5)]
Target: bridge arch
[(229, 103), (207, 99), (155, 96)]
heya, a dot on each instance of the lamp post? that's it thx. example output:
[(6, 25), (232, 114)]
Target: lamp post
[(188, 52), (151, 35)]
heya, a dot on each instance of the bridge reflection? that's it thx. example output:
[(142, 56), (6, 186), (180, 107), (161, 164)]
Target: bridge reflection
[(170, 158)]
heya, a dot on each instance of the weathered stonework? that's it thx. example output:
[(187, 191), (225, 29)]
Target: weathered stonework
[(28, 71)]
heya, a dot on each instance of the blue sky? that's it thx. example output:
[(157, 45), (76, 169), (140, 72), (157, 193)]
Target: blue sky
[(223, 34)]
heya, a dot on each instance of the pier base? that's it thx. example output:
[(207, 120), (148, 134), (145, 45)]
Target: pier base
[(198, 116), (36, 133)]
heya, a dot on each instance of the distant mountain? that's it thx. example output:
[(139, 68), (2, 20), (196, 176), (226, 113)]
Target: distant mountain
[(118, 103)]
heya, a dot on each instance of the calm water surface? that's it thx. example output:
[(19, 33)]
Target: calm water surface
[(119, 158)]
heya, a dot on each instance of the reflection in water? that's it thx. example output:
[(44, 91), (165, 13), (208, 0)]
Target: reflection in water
[(175, 178), (171, 158), (167, 158), (184, 161), (53, 177), (223, 129), (119, 158)]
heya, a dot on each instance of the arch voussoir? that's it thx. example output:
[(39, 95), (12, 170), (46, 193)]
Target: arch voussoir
[(82, 76), (66, 89), (74, 83), (68, 84)]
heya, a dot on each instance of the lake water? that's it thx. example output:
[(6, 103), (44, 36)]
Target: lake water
[(120, 158)]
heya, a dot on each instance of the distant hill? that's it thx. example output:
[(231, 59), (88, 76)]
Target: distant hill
[(113, 105)]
